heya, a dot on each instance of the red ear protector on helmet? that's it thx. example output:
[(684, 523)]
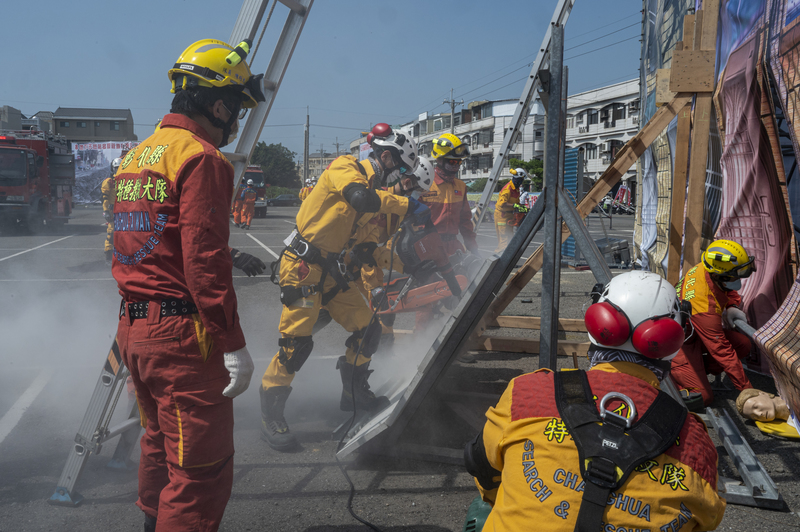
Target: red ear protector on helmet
[(655, 337)]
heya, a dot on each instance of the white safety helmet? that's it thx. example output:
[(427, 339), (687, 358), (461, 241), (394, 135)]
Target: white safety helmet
[(250, 182), (424, 174), (519, 172), (404, 150), (637, 311), (115, 165)]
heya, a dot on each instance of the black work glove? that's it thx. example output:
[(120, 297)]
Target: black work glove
[(363, 252), (379, 299), (109, 216), (249, 264)]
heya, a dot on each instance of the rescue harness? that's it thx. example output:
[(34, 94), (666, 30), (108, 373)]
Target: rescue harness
[(611, 446), (332, 264)]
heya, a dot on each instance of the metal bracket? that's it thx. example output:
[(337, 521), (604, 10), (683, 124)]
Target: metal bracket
[(758, 489)]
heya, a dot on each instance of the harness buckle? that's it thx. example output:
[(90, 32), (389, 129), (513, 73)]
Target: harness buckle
[(627, 421)]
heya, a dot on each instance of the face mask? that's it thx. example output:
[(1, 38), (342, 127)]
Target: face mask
[(416, 194), (733, 285)]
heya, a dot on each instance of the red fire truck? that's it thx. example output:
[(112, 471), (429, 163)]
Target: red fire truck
[(37, 173)]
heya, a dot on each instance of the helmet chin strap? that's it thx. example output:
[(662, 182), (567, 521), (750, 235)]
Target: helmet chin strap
[(226, 127)]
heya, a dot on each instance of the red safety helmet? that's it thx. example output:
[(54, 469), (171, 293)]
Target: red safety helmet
[(637, 311), (381, 130)]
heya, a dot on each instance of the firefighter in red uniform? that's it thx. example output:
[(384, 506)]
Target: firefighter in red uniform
[(644, 462), (237, 204), (447, 197), (179, 332), (711, 287), (248, 204)]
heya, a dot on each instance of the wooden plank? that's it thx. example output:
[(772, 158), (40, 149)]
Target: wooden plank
[(710, 22), (697, 34), (526, 345), (701, 127), (625, 158), (534, 322), (663, 94), (688, 32), (678, 194), (692, 71)]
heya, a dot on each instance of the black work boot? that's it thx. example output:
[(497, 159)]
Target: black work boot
[(354, 378), (274, 429)]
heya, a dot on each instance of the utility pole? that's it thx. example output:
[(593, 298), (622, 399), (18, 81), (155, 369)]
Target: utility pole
[(305, 153), (453, 103), (337, 146)]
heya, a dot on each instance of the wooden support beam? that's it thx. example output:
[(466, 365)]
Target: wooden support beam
[(678, 194), (706, 34), (532, 322), (526, 345)]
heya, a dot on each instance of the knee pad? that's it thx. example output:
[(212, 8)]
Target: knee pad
[(301, 347), (370, 335)]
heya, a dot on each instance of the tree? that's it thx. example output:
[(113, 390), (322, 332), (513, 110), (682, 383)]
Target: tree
[(277, 163), (535, 170)]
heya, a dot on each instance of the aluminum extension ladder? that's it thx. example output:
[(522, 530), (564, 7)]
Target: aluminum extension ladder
[(94, 431)]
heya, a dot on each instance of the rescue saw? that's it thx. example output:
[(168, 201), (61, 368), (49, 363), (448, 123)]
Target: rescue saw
[(419, 246)]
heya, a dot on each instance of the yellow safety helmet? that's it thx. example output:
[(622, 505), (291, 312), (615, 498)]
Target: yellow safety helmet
[(448, 146), (212, 63), (728, 259)]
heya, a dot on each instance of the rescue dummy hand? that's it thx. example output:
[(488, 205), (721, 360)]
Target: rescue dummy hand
[(418, 210), (732, 313), (240, 366), (249, 264), (109, 216)]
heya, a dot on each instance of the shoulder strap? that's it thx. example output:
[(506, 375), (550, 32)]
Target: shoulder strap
[(608, 449)]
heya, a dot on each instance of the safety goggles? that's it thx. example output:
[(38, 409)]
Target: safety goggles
[(742, 271), (459, 152)]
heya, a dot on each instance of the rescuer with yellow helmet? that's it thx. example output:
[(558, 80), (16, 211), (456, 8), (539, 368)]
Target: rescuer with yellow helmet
[(504, 210), (447, 197), (712, 289), (313, 271), (179, 332), (107, 190)]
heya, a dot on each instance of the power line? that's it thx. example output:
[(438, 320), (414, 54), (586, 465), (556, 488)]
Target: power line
[(638, 14), (602, 36), (603, 47)]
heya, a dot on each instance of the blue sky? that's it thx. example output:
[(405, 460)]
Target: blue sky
[(357, 62)]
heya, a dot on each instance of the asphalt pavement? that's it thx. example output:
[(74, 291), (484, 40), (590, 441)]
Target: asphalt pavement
[(57, 322)]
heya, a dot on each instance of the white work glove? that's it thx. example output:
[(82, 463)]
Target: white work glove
[(733, 313), (240, 366)]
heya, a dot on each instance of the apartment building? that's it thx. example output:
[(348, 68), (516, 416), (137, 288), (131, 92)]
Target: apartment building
[(601, 121), (481, 125), (80, 124)]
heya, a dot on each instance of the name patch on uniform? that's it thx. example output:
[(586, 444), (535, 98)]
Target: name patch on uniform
[(149, 245)]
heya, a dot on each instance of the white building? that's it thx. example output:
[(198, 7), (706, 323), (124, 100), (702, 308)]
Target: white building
[(481, 125), (601, 121)]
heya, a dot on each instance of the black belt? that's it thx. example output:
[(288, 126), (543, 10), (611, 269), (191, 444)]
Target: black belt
[(447, 237), (169, 307)]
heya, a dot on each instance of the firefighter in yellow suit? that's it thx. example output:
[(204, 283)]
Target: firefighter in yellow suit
[(347, 193), (305, 191), (504, 214), (107, 190)]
